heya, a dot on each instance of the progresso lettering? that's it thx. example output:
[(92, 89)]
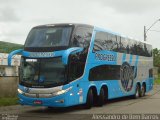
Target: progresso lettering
[(106, 57), (42, 54)]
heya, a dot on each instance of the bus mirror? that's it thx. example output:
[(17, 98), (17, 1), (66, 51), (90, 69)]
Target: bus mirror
[(12, 54), (68, 52)]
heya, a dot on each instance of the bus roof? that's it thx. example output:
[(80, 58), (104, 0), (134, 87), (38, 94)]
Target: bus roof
[(64, 24)]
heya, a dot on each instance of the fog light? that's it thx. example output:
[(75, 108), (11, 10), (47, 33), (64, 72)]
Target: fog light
[(60, 101)]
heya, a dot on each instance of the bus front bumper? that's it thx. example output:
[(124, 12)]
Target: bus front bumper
[(56, 101)]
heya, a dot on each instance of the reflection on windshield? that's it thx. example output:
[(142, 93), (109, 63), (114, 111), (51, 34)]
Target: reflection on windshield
[(49, 37), (42, 72), (28, 72)]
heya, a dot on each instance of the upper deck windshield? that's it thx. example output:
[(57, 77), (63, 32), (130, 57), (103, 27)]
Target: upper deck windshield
[(49, 37)]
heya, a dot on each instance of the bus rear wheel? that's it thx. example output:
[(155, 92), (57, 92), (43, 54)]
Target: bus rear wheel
[(89, 101), (137, 92), (143, 90), (101, 97)]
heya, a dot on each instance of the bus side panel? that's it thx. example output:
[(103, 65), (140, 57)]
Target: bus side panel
[(149, 84)]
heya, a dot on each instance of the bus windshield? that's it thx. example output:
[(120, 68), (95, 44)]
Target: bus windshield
[(49, 37), (42, 72)]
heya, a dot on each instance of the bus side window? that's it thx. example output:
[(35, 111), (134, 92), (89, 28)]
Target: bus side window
[(100, 42), (124, 45), (104, 72), (114, 43), (148, 50), (76, 67), (82, 37), (118, 43), (106, 41), (110, 42), (139, 49)]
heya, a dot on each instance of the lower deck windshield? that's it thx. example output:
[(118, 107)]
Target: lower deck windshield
[(47, 72)]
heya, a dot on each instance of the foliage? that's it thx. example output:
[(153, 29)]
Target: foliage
[(8, 101), (156, 58), (6, 47), (157, 81)]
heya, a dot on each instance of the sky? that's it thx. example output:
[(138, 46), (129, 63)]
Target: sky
[(127, 17)]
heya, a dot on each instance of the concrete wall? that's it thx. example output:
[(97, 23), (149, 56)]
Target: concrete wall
[(10, 71), (8, 86), (4, 59)]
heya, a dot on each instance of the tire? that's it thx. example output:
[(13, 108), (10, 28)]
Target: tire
[(101, 98), (143, 90), (50, 107), (137, 93), (89, 101)]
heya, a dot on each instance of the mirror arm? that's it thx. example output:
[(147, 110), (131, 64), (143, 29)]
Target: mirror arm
[(12, 54)]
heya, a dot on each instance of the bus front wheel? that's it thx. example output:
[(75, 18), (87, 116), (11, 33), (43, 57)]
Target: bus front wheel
[(89, 101)]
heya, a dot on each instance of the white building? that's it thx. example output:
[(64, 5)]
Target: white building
[(6, 70)]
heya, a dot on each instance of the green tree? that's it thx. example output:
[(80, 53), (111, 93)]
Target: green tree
[(6, 47), (156, 58)]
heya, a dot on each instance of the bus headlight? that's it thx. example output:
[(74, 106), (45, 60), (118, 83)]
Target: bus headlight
[(63, 91), (20, 91)]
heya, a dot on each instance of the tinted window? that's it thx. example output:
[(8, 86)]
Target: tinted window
[(82, 37), (139, 48), (124, 45), (76, 68), (112, 42), (100, 41), (132, 47), (105, 72), (118, 40), (148, 50), (105, 41)]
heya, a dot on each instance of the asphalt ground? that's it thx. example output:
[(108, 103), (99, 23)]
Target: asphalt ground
[(150, 104)]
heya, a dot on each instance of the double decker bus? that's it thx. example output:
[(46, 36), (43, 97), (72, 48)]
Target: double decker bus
[(70, 64)]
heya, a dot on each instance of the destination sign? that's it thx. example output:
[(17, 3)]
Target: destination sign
[(105, 57), (41, 54)]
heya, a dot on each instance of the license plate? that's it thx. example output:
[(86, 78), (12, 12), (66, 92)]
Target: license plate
[(38, 102)]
